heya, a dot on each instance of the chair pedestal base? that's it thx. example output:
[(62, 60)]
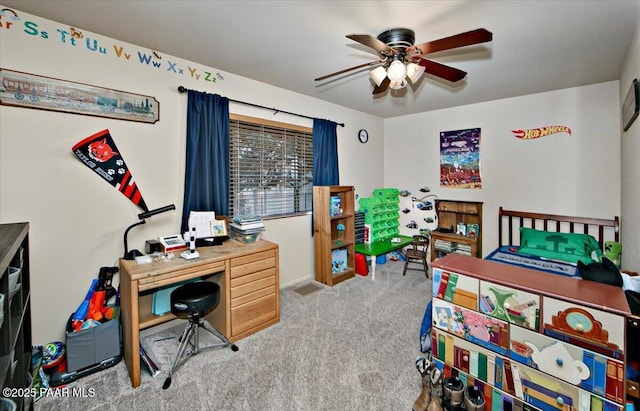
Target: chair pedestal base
[(191, 336)]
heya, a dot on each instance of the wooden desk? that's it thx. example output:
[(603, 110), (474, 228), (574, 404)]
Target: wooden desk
[(381, 247), (248, 275)]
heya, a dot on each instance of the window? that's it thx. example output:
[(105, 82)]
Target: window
[(271, 168)]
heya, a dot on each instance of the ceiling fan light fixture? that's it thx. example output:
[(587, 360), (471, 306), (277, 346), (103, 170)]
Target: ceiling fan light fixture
[(414, 71), (378, 75), (397, 71), (397, 85)]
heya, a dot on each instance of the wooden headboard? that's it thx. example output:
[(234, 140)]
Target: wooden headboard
[(509, 223)]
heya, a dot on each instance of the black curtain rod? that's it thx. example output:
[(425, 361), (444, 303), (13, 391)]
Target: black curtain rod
[(182, 89)]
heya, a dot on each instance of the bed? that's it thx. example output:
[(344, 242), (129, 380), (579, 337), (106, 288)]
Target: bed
[(602, 230), (510, 250)]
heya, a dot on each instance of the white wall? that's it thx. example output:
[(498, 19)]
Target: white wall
[(575, 174), (630, 155), (77, 220)]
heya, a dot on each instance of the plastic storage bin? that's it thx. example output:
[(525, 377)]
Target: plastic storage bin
[(245, 238), (14, 277), (91, 346)]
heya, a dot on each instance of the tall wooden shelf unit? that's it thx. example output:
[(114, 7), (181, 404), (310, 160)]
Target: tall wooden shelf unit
[(326, 237), (450, 214), (15, 330)]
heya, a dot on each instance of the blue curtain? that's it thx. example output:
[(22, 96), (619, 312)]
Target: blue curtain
[(325, 153), (206, 180)]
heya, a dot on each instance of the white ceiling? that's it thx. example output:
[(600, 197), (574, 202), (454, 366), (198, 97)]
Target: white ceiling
[(537, 45)]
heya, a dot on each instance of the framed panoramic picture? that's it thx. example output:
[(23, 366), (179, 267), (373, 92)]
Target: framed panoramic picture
[(33, 91), (631, 105)]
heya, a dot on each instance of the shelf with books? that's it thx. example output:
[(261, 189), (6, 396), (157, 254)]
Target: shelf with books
[(333, 232), (459, 228), (446, 243)]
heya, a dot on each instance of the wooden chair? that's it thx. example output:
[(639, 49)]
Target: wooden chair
[(417, 254)]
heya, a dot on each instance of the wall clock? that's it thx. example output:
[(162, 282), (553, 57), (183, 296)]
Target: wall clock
[(363, 136)]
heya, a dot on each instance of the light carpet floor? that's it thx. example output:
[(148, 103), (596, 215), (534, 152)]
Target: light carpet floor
[(351, 346)]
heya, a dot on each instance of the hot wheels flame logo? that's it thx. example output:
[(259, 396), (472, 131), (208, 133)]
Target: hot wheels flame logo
[(540, 132)]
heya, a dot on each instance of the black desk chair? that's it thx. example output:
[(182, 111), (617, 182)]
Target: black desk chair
[(417, 254), (193, 301)]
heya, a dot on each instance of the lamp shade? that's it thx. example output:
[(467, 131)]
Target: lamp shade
[(378, 75), (396, 71), (414, 71)]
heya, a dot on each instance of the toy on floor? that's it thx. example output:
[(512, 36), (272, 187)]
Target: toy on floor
[(52, 354), (95, 305)]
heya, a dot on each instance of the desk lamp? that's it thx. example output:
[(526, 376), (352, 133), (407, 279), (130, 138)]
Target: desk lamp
[(131, 255)]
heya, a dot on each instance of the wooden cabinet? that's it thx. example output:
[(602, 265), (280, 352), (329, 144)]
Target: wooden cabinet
[(465, 216), (254, 293), (15, 312), (333, 233), (532, 339)]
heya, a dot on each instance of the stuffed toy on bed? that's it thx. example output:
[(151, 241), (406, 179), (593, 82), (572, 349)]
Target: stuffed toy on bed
[(612, 250)]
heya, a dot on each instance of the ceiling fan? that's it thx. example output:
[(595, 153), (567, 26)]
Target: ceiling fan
[(400, 59)]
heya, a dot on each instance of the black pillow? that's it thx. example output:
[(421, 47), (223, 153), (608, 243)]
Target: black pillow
[(605, 272)]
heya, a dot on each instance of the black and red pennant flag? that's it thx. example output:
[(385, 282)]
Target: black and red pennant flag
[(99, 153)]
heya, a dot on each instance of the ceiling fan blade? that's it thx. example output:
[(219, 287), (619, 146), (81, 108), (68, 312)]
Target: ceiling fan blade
[(440, 70), (382, 87), (371, 63), (459, 40), (374, 43)]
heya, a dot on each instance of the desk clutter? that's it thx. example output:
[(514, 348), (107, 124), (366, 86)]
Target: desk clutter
[(246, 229)]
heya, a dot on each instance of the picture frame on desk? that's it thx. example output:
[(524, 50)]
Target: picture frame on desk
[(461, 229), (219, 228)]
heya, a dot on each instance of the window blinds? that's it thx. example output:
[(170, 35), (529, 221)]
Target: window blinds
[(271, 168)]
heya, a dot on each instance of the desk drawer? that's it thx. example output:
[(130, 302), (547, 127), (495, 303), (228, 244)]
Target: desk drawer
[(253, 292), (184, 273), (595, 330), (252, 282), (253, 314), (251, 263)]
